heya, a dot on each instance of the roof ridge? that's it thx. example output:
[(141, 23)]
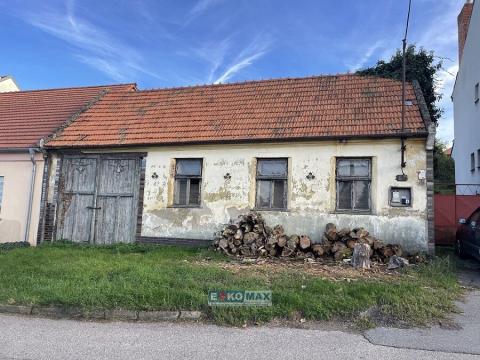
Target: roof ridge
[(73, 88), (295, 78)]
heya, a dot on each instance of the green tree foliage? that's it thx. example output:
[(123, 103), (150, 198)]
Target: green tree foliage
[(421, 66), (443, 169)]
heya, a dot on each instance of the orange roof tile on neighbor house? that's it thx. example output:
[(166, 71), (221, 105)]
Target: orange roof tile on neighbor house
[(339, 106), (28, 116)]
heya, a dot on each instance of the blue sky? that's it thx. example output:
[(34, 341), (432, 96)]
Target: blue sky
[(165, 43)]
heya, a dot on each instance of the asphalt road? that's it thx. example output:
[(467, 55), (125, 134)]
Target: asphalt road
[(462, 337), (36, 338)]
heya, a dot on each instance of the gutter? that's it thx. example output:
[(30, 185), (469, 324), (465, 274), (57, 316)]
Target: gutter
[(31, 151)]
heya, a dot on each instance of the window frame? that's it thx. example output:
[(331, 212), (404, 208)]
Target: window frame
[(176, 187), (478, 158), (353, 179), (271, 179), (476, 95), (472, 162)]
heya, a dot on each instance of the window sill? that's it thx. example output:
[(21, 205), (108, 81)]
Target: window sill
[(184, 207), (352, 212), (267, 209)]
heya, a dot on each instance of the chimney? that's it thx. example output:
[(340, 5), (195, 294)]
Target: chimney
[(463, 21)]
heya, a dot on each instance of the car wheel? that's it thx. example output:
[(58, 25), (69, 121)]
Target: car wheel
[(459, 250)]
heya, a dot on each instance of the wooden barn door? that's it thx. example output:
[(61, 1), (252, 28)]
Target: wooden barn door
[(77, 190), (99, 198), (117, 199)]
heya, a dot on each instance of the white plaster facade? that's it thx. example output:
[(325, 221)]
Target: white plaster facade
[(467, 109), (16, 170), (311, 203), (7, 83)]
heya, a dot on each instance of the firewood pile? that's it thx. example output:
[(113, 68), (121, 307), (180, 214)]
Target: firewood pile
[(251, 237)]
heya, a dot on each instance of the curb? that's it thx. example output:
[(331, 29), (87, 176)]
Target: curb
[(61, 312)]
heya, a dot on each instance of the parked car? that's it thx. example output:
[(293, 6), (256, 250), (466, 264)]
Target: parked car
[(468, 236)]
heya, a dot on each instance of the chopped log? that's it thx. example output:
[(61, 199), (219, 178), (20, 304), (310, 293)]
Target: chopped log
[(282, 241), (338, 246), (361, 256), (239, 234), (250, 237), (351, 243), (318, 249), (294, 239), (362, 233), (278, 230), (286, 252), (343, 253), (331, 232), (247, 227), (343, 232), (305, 242), (222, 243)]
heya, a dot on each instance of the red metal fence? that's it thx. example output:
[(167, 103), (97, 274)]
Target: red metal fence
[(455, 202)]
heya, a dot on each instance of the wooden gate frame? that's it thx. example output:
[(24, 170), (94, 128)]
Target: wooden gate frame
[(59, 183)]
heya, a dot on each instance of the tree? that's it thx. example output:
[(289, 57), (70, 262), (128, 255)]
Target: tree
[(421, 66), (443, 169)]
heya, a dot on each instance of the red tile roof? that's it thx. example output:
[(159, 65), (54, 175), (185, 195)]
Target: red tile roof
[(270, 110), (28, 116)]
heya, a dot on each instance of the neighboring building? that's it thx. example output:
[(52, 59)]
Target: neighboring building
[(7, 84), (466, 100), (173, 165), (25, 118)]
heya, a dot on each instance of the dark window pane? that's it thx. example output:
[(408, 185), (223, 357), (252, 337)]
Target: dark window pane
[(361, 167), (192, 167), (263, 194), (194, 192), (353, 167), (362, 195), (344, 193), (275, 167), (279, 194), (181, 192), (344, 167)]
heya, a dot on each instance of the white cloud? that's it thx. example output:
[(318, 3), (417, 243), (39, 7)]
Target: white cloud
[(366, 56), (256, 49), (214, 53), (93, 45), (199, 8)]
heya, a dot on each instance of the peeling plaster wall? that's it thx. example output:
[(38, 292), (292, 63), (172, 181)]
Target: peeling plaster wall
[(311, 203)]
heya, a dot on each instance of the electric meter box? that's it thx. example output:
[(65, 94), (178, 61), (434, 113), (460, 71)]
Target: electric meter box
[(400, 197)]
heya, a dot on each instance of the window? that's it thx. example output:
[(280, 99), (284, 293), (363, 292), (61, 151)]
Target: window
[(353, 184), (188, 181), (477, 92), (272, 176), (472, 162), (478, 158), (400, 197), (1, 191)]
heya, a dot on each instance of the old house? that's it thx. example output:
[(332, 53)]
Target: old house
[(173, 165), (25, 118)]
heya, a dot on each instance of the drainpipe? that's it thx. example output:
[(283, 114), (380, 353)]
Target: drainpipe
[(32, 189)]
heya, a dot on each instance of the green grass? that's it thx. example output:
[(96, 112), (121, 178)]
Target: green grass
[(169, 278)]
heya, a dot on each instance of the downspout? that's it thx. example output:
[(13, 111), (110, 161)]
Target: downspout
[(31, 151)]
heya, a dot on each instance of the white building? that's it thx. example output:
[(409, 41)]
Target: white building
[(466, 99), (8, 83)]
